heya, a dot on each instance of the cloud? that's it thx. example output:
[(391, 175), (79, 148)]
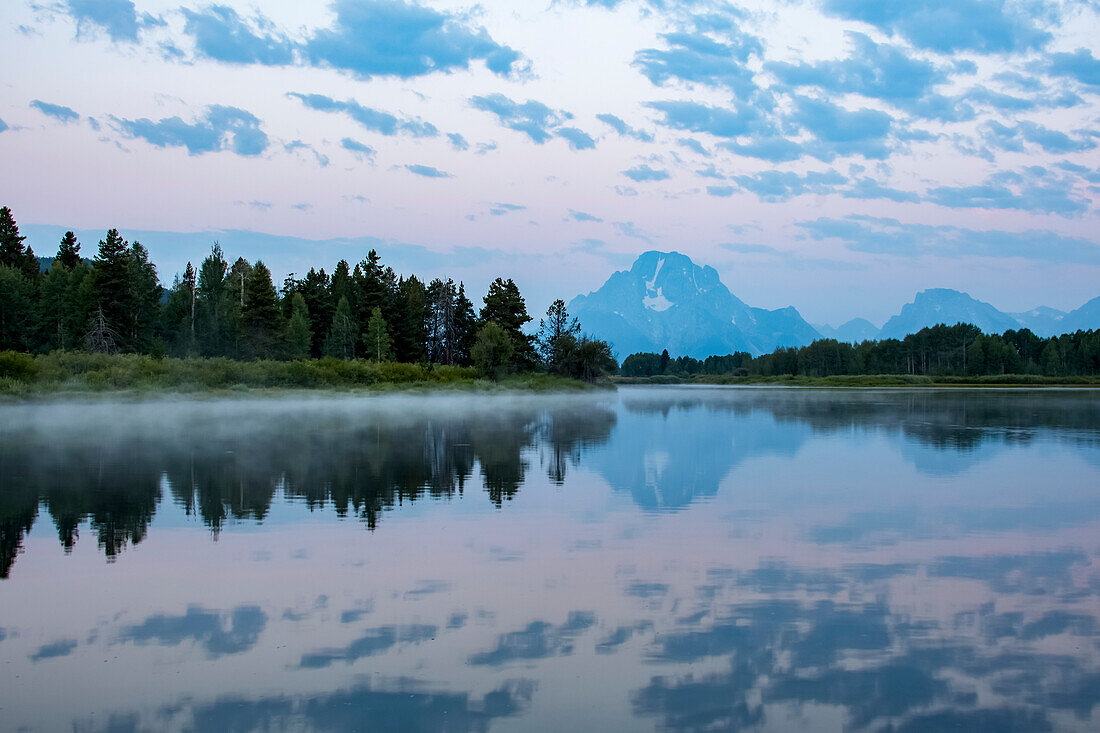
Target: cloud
[(582, 216), (57, 111), (220, 128), (534, 119), (427, 171), (62, 648), (948, 26), (258, 205), (772, 148), (749, 248), (577, 139), (693, 145), (370, 118), (843, 132), (868, 188), (293, 145), (879, 71), (699, 59), (643, 172), (1079, 65), (774, 186), (892, 237), (117, 17), (1035, 190), (695, 117), (394, 38), (361, 151), (1012, 139), (457, 141), (221, 35), (629, 229), (710, 172), (619, 125), (502, 209)]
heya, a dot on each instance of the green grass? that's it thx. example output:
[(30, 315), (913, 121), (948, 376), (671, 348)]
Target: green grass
[(24, 375), (872, 380)]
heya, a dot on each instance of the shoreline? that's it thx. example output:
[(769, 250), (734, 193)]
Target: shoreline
[(1008, 381)]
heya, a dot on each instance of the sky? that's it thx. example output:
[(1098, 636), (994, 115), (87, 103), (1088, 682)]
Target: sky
[(834, 155)]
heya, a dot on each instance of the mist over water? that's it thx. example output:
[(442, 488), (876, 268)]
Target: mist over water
[(656, 558)]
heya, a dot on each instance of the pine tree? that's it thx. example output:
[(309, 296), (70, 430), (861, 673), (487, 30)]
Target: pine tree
[(377, 339), (465, 326), (298, 337), (557, 338), (212, 304), (110, 284), (409, 320), (261, 321), (341, 337), (68, 252), (12, 251), (505, 306), (17, 317), (371, 280), (314, 287), (142, 300)]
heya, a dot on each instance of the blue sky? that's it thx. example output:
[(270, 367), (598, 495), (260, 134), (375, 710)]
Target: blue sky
[(835, 155)]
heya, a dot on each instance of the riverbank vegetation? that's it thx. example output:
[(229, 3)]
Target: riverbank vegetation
[(226, 324), (941, 354)]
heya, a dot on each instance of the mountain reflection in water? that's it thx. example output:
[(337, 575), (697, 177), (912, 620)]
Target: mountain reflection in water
[(674, 558)]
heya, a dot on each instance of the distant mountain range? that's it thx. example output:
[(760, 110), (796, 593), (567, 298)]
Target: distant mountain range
[(666, 301)]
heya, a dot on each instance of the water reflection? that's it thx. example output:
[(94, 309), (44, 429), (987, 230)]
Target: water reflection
[(673, 559)]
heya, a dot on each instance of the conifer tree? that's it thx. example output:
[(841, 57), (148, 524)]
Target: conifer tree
[(341, 337), (557, 338), (68, 252), (212, 304), (298, 337), (372, 282), (409, 320), (377, 339), (505, 306), (142, 299), (17, 317), (465, 326), (12, 251), (110, 283), (314, 287), (260, 317)]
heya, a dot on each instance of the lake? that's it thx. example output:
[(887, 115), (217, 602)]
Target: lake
[(660, 558)]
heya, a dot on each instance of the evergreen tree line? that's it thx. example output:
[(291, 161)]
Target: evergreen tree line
[(960, 350), (114, 303)]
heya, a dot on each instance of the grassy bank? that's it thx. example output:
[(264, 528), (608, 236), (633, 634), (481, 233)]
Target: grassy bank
[(875, 380), (23, 375)]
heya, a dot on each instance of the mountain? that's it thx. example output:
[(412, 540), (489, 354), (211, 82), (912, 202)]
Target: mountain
[(666, 301), (1085, 318), (1042, 321), (940, 305), (854, 331)]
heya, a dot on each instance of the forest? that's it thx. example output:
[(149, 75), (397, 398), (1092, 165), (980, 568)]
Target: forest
[(961, 350), (114, 303)]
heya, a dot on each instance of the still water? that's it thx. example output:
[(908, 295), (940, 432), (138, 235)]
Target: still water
[(679, 559)]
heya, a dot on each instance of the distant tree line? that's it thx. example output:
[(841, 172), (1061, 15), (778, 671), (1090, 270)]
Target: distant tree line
[(115, 303), (959, 350)]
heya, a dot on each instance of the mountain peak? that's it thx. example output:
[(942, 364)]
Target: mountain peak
[(665, 300)]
